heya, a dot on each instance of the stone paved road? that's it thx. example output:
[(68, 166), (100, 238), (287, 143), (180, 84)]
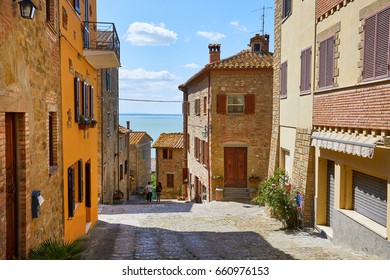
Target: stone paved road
[(175, 230)]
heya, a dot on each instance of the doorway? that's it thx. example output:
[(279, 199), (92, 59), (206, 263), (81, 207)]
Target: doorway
[(235, 167)]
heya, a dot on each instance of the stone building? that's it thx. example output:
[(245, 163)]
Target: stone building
[(108, 134), (140, 160), (86, 46), (30, 129), (351, 123), (227, 123), (123, 157), (169, 163), (293, 97)]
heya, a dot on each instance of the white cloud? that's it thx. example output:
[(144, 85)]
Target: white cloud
[(142, 74), (239, 27), (149, 34), (212, 36), (191, 65)]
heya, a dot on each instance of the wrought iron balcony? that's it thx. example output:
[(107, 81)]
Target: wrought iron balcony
[(101, 44)]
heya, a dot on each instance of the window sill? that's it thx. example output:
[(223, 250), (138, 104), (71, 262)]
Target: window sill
[(304, 93), (366, 222)]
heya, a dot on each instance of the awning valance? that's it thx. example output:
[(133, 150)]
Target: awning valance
[(345, 143)]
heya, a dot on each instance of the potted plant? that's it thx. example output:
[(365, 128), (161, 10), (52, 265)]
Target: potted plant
[(217, 177), (84, 123), (93, 123), (254, 178), (180, 193)]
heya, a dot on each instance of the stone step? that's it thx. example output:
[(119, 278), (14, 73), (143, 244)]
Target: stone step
[(236, 194)]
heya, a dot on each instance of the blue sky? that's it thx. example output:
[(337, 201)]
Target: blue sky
[(164, 43)]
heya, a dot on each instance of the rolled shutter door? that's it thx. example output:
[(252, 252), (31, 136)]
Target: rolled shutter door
[(370, 197), (330, 193)]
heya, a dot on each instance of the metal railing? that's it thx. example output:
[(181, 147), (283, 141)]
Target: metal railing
[(101, 36)]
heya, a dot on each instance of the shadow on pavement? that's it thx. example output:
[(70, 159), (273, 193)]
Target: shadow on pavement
[(125, 242)]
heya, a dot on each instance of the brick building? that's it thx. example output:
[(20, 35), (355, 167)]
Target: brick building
[(227, 123), (140, 144), (337, 107), (169, 163), (351, 122), (30, 128)]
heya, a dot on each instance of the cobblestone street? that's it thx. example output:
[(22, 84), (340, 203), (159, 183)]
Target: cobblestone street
[(217, 230)]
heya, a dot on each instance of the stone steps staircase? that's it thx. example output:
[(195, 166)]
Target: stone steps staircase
[(236, 194)]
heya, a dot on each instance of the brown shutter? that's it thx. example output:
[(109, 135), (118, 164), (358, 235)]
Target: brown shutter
[(283, 80), (308, 69), (322, 65), (185, 173), (329, 61), (91, 102), (303, 71), (221, 104), (80, 180), (250, 104), (382, 44), (77, 99), (369, 47)]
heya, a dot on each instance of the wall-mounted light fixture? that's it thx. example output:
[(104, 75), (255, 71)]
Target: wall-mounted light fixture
[(27, 9), (206, 131)]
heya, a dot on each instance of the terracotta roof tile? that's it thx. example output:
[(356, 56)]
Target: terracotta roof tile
[(170, 140), (136, 136), (244, 60), (123, 129)]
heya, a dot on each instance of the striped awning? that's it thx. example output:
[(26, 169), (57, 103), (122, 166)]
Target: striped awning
[(345, 143)]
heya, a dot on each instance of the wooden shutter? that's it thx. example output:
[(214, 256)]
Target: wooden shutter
[(369, 48), (322, 65), (80, 180), (205, 105), (91, 102), (185, 173), (221, 104), (250, 104), (329, 61), (283, 80), (305, 70), (71, 191), (85, 110), (77, 99), (382, 44), (88, 196), (308, 69)]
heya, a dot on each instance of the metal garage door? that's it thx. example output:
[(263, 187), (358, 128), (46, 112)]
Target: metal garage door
[(330, 193), (370, 197)]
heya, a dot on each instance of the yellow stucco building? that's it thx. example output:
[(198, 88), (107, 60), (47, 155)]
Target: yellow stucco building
[(84, 49)]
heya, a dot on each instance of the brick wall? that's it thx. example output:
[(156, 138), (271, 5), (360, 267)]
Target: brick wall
[(323, 6), (365, 107)]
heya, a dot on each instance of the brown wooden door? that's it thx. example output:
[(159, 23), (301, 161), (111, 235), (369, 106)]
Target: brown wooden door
[(235, 167), (11, 213)]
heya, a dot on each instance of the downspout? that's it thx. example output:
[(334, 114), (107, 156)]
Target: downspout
[(209, 136)]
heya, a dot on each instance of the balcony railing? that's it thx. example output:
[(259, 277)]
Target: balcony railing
[(101, 44)]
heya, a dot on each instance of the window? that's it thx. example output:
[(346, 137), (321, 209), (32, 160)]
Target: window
[(126, 166), (256, 48), (53, 141), (50, 11), (77, 86), (71, 192), (76, 6), (326, 64), (204, 105), (88, 197), (121, 172), (305, 70), (197, 151), (197, 107), (170, 180), (286, 8), (83, 99), (235, 104), (283, 80), (108, 80), (167, 154), (376, 46), (91, 102)]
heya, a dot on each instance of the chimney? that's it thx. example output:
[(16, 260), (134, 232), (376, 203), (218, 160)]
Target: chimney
[(128, 125), (215, 52)]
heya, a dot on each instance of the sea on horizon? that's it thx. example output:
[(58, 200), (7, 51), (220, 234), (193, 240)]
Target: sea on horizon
[(153, 124)]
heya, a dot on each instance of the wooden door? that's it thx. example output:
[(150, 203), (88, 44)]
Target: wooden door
[(235, 167), (11, 208)]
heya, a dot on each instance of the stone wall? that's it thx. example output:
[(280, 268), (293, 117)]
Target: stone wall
[(275, 144), (30, 91)]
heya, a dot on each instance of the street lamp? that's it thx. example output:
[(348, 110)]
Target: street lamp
[(27, 9)]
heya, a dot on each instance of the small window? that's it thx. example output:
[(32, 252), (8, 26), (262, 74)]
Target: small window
[(236, 104), (204, 105), (76, 6), (71, 192), (121, 172), (286, 8), (256, 48), (167, 154), (53, 141), (108, 80), (170, 180), (197, 107)]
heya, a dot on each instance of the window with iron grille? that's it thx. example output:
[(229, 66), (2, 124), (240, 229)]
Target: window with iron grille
[(376, 45), (326, 63)]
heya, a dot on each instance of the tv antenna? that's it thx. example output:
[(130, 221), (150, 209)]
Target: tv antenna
[(262, 18)]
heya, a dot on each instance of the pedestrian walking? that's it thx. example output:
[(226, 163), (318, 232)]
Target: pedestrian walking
[(148, 190), (158, 191)]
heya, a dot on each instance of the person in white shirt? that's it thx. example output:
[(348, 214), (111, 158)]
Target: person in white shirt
[(148, 190)]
